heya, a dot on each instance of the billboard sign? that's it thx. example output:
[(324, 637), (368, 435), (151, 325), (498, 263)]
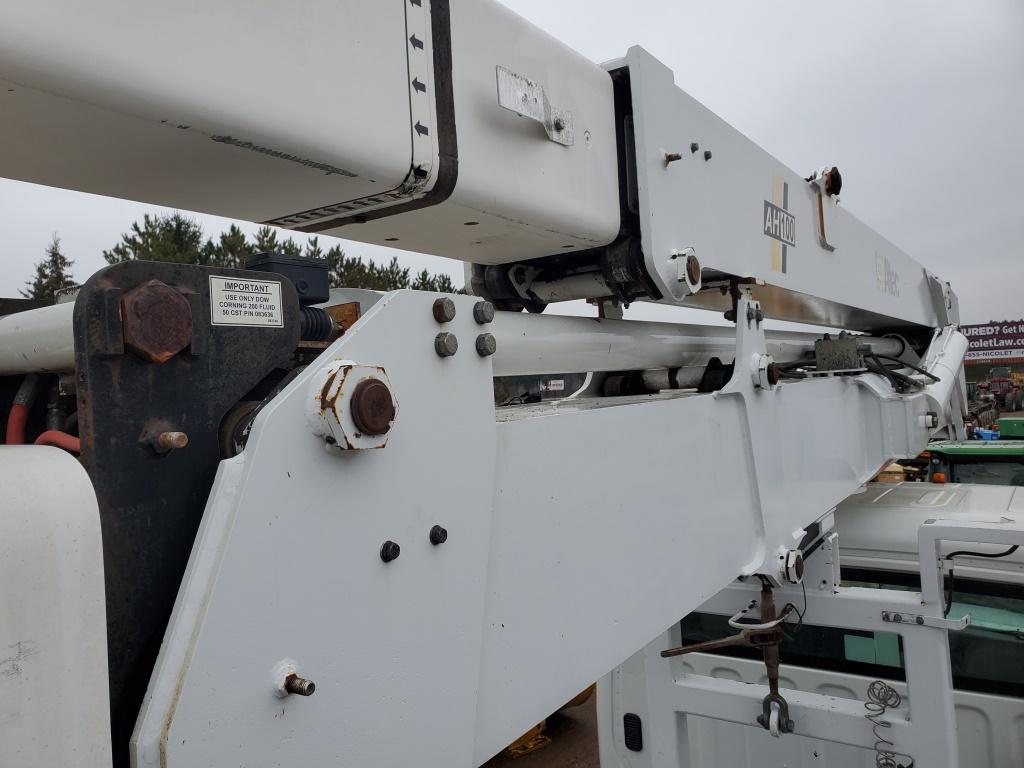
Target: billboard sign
[(996, 342)]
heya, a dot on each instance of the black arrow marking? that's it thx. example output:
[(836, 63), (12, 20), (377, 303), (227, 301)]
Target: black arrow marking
[(421, 129), (418, 86), (416, 42)]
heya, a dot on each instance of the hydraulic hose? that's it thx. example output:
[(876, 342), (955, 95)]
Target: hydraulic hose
[(18, 417), (60, 440)]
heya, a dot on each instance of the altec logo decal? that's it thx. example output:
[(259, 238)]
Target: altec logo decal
[(779, 224)]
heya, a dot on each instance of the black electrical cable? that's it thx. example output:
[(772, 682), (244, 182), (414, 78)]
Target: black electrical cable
[(963, 553), (798, 612), (874, 365), (905, 364)]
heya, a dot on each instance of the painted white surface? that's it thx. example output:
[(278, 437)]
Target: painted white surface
[(54, 707), (574, 530), (310, 106)]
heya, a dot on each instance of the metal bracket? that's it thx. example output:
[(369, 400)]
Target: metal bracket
[(774, 716), (944, 301), (527, 99), (953, 625)]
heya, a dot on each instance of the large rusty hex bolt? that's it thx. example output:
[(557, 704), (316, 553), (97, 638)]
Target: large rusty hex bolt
[(156, 321), (372, 407)]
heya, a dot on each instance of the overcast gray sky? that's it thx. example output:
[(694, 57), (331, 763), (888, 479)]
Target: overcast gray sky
[(920, 104)]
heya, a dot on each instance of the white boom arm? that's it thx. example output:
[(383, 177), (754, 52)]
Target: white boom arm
[(576, 531)]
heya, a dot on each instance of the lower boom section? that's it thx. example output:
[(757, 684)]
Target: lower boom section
[(573, 533)]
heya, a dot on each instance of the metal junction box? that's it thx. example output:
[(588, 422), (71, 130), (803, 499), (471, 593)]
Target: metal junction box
[(444, 126)]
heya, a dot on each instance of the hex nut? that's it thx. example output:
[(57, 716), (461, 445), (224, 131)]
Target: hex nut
[(444, 310), (483, 312), (438, 535), (445, 344), (156, 321), (352, 406), (486, 345), (389, 551)]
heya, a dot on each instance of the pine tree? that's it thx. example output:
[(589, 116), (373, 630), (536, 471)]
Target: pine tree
[(53, 275), (174, 238), (178, 238), (232, 249)]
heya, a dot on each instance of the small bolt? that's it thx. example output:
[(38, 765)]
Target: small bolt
[(486, 345), (445, 344), (444, 310), (438, 535), (483, 312), (920, 620), (389, 551), (559, 125), (300, 686), (885, 616), (168, 441), (707, 154), (897, 618), (671, 157), (694, 146)]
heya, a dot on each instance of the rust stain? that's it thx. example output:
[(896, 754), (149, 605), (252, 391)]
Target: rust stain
[(326, 388)]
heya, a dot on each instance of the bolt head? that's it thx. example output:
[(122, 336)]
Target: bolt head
[(694, 146), (833, 181), (444, 310), (446, 344), (389, 551), (483, 312), (707, 154), (693, 269), (486, 345), (373, 409), (438, 535), (156, 321)]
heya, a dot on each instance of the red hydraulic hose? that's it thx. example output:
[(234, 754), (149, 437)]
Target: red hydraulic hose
[(16, 421), (18, 417), (60, 439)]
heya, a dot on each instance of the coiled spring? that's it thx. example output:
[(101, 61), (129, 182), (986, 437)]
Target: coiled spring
[(881, 698)]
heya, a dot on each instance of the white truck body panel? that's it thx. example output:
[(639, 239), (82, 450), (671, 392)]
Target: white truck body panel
[(990, 728), (54, 705)]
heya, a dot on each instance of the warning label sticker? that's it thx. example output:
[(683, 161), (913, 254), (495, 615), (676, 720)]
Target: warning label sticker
[(235, 301)]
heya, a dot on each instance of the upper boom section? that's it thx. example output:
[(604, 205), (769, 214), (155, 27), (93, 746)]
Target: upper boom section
[(451, 127)]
